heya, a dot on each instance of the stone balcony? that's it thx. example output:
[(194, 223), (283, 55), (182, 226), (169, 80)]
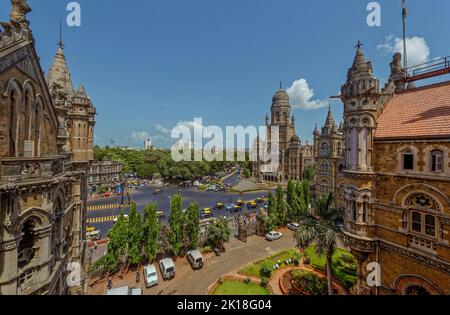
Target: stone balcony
[(14, 170)]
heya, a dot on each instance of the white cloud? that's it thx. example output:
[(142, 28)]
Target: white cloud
[(139, 136), (162, 130), (301, 96), (417, 48)]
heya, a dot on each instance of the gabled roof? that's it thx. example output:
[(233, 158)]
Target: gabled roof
[(417, 114)]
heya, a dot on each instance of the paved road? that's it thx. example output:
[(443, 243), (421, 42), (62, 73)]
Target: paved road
[(190, 282), (145, 195)]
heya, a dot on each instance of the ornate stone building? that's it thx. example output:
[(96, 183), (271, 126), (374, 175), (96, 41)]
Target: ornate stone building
[(329, 146), (293, 156), (43, 170), (104, 173), (397, 180)]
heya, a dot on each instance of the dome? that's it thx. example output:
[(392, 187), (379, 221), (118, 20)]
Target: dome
[(280, 96), (295, 140)]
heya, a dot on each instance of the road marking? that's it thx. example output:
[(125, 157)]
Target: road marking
[(106, 206), (102, 219)]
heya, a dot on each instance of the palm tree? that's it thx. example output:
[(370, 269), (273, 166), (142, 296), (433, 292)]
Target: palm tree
[(323, 230)]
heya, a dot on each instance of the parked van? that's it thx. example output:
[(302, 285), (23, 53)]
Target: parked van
[(94, 235), (195, 258), (167, 268)]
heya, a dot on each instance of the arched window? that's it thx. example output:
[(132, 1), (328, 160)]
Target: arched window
[(12, 134), (324, 149), (408, 160), (27, 250), (365, 212), (39, 116), (437, 161), (423, 214), (354, 211)]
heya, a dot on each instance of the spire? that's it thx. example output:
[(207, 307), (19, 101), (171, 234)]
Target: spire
[(316, 131), (360, 67), (59, 72), (60, 43), (330, 119)]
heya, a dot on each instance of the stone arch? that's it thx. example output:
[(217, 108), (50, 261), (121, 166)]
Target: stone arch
[(402, 193), (14, 102), (403, 283), (42, 216)]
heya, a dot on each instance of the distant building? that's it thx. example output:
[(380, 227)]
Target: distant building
[(293, 156), (329, 147), (148, 144), (104, 173)]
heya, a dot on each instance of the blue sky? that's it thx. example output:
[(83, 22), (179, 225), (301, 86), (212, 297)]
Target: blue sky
[(148, 65)]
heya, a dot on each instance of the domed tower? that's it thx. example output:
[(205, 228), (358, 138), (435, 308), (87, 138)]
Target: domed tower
[(281, 117)]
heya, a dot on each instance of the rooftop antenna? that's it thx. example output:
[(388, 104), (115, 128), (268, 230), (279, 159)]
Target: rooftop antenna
[(60, 43), (404, 16)]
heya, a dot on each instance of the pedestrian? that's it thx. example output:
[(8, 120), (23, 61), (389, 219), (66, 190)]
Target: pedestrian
[(110, 284), (138, 276)]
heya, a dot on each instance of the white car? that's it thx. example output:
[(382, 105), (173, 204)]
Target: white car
[(117, 219), (272, 236), (293, 226)]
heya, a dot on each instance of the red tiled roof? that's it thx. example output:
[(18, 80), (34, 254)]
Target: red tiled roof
[(419, 113)]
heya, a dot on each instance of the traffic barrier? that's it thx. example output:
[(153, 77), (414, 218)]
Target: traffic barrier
[(107, 206), (102, 219)]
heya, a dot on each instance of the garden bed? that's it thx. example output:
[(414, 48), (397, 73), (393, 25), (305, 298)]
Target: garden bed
[(254, 270), (237, 287)]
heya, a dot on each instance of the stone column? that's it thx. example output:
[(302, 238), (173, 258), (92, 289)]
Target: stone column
[(44, 251), (8, 266)]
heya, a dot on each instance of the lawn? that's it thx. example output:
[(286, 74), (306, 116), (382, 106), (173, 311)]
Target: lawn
[(348, 279), (253, 269), (236, 287)]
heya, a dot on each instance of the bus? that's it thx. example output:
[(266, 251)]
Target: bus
[(94, 235)]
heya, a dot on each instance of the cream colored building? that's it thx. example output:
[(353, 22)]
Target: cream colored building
[(45, 150)]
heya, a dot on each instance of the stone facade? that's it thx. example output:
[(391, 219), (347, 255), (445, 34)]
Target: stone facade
[(293, 157), (397, 180), (43, 184), (329, 147), (103, 173)]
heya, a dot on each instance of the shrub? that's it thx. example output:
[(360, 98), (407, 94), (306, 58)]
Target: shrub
[(346, 263), (264, 282), (266, 270), (310, 282), (296, 259), (306, 260), (207, 250)]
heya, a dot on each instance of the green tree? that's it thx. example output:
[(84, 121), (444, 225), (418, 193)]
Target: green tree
[(135, 233), (218, 233), (309, 173), (193, 225), (116, 251), (164, 241), (145, 170), (281, 207), (151, 232), (322, 229), (273, 219), (176, 224)]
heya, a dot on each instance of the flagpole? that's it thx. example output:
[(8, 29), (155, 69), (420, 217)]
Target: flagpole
[(405, 57)]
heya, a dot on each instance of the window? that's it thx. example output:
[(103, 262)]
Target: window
[(416, 222), (437, 161), (355, 211), (324, 149), (423, 223), (408, 160), (365, 208)]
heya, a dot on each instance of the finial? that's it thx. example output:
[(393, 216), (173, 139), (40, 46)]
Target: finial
[(60, 43), (281, 85), (359, 44)]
